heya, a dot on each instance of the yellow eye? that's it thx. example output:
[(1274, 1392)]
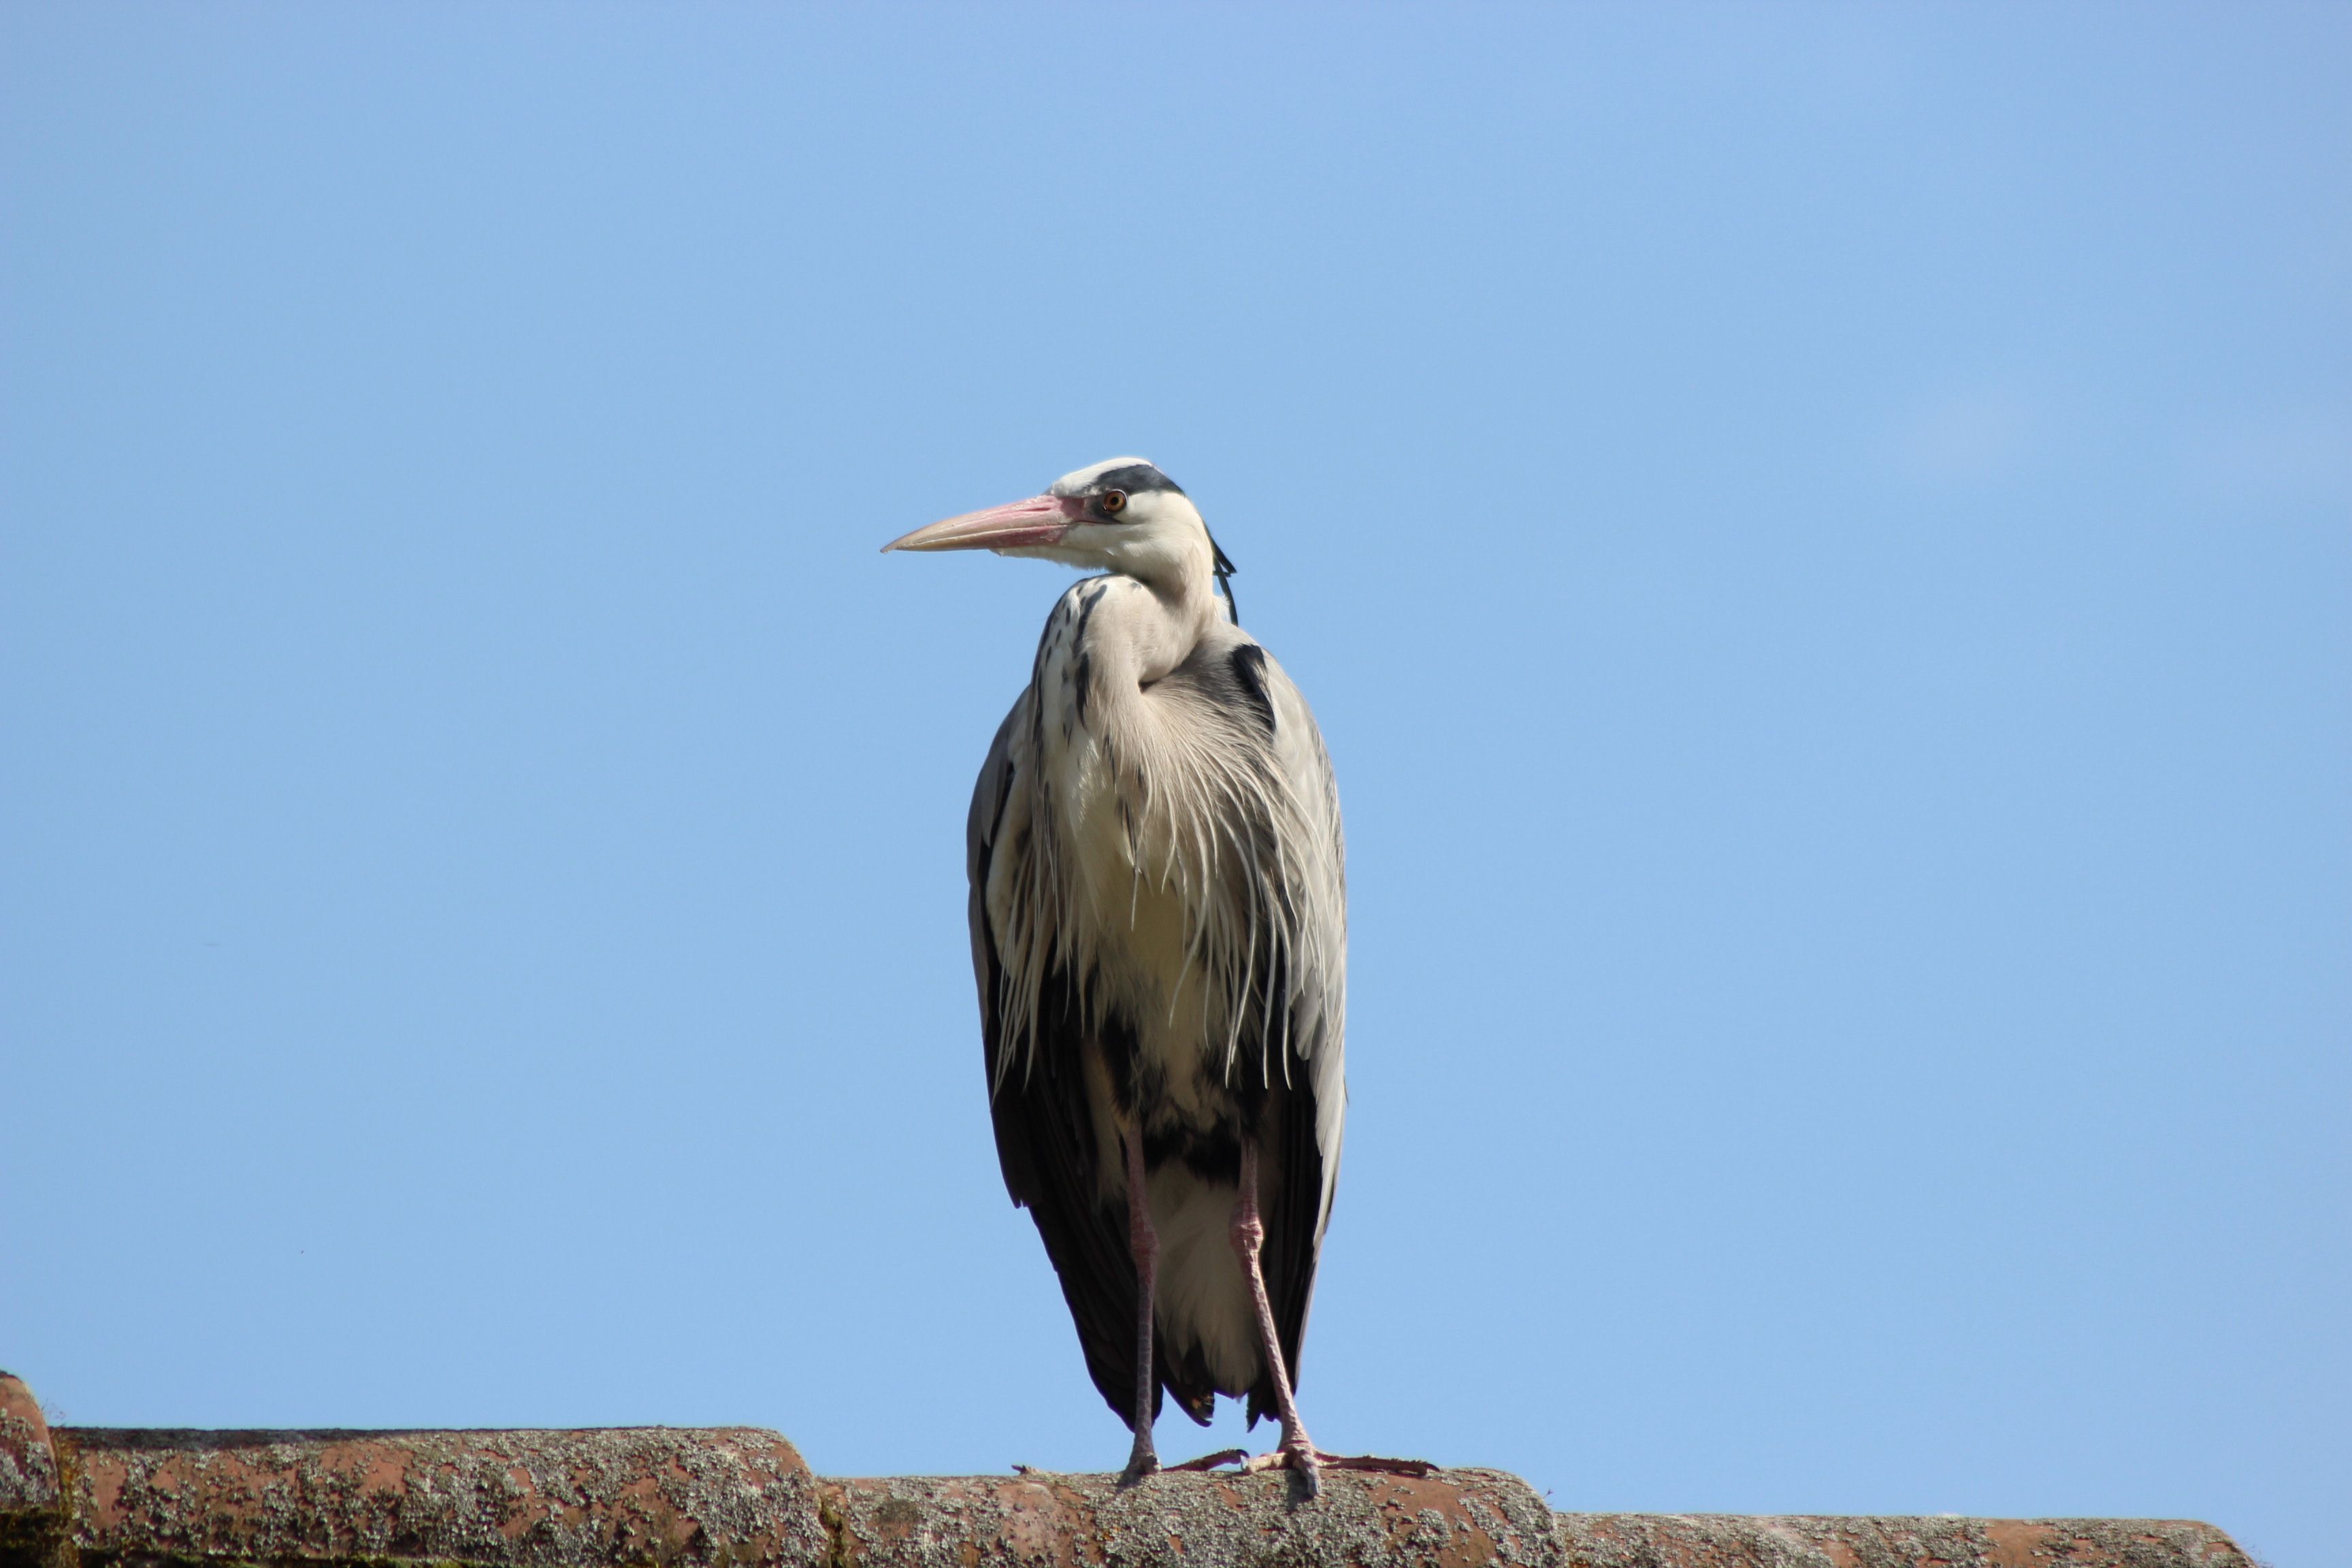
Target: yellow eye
[(1113, 502)]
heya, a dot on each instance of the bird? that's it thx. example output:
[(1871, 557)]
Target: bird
[(1159, 935)]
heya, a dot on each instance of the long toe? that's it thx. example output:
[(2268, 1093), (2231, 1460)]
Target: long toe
[(1300, 1458), (1374, 1462), (1212, 1461)]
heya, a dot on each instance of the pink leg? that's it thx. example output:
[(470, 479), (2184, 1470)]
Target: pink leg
[(1249, 1238), (1295, 1452), (1143, 1244)]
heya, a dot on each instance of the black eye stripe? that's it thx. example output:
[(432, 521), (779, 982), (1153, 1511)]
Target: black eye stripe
[(1136, 479)]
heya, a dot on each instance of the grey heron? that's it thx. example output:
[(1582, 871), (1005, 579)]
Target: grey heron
[(1158, 931)]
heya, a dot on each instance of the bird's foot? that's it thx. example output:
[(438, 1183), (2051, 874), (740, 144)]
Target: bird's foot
[(1299, 1458), (1142, 1462), (1307, 1462)]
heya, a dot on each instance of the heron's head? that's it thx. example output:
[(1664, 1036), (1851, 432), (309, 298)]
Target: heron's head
[(1120, 515)]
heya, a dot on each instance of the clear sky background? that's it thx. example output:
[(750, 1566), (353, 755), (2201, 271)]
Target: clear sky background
[(1821, 541)]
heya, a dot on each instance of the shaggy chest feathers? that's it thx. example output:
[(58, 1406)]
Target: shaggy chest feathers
[(1170, 878)]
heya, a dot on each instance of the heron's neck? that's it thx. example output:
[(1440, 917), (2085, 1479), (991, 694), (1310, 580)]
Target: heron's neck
[(1145, 629)]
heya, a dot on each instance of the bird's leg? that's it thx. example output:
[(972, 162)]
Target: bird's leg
[(1249, 1236), (1143, 1244)]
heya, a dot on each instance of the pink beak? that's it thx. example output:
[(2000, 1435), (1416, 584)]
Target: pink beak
[(1040, 520)]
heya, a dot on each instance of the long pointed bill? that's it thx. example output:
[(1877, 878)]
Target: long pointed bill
[(1040, 520)]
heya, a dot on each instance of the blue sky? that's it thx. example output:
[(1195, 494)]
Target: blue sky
[(1820, 540)]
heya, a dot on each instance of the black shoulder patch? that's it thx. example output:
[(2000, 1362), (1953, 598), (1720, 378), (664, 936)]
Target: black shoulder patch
[(1248, 665)]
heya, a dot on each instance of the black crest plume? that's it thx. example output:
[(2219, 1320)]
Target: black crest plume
[(1225, 569)]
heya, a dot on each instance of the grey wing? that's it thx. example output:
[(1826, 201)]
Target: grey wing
[(1310, 1106), (991, 796), (1045, 1142)]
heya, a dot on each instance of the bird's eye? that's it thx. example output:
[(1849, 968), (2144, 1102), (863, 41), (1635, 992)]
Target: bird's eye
[(1113, 501)]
